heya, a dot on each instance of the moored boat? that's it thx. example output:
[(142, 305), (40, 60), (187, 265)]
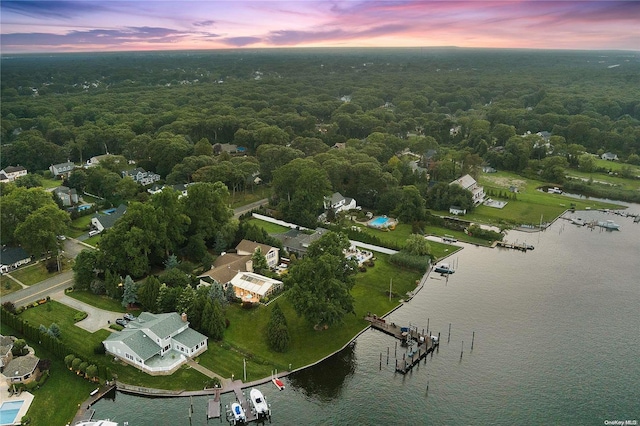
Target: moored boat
[(237, 413), (259, 403), (444, 268), (608, 224), (578, 221)]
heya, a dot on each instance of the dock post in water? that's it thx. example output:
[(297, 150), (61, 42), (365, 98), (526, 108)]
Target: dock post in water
[(473, 336), (462, 349), (427, 325), (449, 338), (380, 360), (387, 355)]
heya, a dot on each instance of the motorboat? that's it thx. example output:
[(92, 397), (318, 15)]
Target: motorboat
[(608, 224), (444, 268), (237, 414), (259, 403)]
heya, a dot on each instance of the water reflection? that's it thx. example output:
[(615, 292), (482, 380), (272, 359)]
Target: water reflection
[(316, 383)]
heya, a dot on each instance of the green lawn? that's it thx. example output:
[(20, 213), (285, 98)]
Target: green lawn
[(245, 336), (7, 285), (271, 228), (36, 272), (79, 226), (51, 183), (75, 337), (530, 203), (618, 182), (101, 302)]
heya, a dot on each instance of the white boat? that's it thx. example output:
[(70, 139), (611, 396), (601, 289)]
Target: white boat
[(259, 403), (444, 268), (237, 413), (608, 224), (106, 422)]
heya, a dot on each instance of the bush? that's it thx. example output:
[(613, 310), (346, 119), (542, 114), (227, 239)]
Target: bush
[(79, 316), (362, 268), (409, 261), (116, 327), (10, 307)]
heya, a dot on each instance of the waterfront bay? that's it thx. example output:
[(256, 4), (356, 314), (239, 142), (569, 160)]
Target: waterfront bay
[(557, 340)]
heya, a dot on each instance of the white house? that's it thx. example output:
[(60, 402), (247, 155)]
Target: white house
[(140, 176), (157, 344), (105, 221), (248, 248), (609, 156), (61, 169), (11, 173), (470, 184), (338, 202)]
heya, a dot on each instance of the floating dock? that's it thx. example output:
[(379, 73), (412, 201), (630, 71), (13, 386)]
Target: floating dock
[(420, 344), (515, 246)]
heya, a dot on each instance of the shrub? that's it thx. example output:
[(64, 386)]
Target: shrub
[(116, 327), (9, 307), (79, 316)]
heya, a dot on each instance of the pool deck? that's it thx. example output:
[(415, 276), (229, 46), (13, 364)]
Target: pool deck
[(24, 396)]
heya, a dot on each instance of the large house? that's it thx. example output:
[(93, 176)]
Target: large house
[(297, 242), (62, 169), (609, 156), (181, 188), (470, 184), (337, 202), (68, 196), (140, 176), (105, 221), (157, 344), (11, 173), (6, 345), (236, 269), (12, 258)]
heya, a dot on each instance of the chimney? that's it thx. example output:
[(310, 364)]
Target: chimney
[(184, 317)]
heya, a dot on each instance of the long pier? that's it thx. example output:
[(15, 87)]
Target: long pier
[(408, 336), (515, 246)]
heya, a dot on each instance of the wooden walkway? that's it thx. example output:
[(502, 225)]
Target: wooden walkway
[(213, 407), (419, 344), (85, 412), (515, 246)]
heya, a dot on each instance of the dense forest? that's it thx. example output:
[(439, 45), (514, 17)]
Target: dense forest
[(532, 112)]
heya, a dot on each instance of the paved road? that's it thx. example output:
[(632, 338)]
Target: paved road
[(41, 290), (96, 318), (247, 208)]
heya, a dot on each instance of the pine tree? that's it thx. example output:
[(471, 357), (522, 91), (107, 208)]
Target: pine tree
[(130, 295), (278, 337)]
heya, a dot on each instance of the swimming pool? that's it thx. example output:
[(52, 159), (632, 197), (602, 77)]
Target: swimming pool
[(379, 221), (9, 411)]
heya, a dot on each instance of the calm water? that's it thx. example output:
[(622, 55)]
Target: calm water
[(557, 340)]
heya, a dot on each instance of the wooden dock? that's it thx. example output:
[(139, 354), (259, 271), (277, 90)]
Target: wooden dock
[(213, 407), (419, 344), (249, 414), (515, 246)]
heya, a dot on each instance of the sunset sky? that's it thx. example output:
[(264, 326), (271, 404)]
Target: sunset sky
[(90, 25)]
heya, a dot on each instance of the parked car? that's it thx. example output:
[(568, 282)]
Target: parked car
[(129, 317), (121, 321)]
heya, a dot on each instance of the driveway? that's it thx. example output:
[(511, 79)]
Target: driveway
[(96, 318)]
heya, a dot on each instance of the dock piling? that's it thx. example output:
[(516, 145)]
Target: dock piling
[(473, 336), (387, 355), (449, 338), (380, 361), (462, 349)]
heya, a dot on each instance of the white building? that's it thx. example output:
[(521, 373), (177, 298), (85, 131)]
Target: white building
[(470, 184)]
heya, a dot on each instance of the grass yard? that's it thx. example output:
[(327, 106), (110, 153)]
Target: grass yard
[(51, 183), (245, 336), (605, 179), (101, 302), (75, 337), (79, 226), (37, 272), (186, 378), (530, 203), (271, 228), (7, 285)]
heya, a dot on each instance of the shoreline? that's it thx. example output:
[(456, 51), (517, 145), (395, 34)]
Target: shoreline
[(85, 407)]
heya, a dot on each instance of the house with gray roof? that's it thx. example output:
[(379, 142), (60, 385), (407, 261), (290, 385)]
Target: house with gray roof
[(337, 202), (157, 344), (141, 176), (12, 258), (470, 184), (297, 241), (22, 369), (100, 222), (68, 196), (11, 173), (62, 169), (609, 156), (6, 345)]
